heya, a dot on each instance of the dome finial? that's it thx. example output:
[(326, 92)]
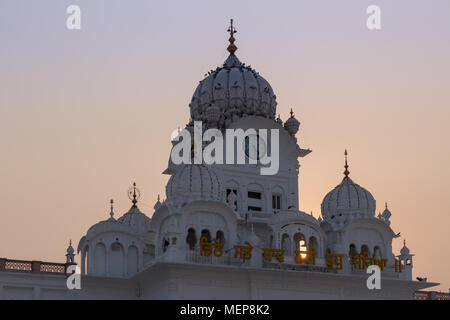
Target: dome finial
[(292, 125), (346, 172), (405, 250), (134, 194), (112, 208), (231, 47)]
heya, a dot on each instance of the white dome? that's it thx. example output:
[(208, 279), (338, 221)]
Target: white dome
[(292, 124), (194, 182), (348, 200), (135, 219), (237, 90)]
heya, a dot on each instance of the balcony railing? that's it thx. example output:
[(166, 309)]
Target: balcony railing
[(195, 257), (251, 215), (33, 266)]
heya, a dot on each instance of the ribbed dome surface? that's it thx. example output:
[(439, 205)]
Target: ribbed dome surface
[(237, 90), (135, 219), (194, 182), (348, 199)]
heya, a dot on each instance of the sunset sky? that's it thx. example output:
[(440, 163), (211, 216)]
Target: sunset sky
[(85, 113)]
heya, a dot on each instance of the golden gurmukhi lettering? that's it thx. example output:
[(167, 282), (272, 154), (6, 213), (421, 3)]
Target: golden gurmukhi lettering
[(334, 260), (206, 247), (243, 252), (269, 253), (362, 261), (307, 256)]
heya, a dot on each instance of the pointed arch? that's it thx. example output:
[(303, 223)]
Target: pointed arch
[(365, 248), (286, 244), (191, 238), (116, 259), (100, 259), (300, 241), (132, 260), (207, 234), (220, 236)]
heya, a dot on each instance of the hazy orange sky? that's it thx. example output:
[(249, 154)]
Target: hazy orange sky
[(85, 113)]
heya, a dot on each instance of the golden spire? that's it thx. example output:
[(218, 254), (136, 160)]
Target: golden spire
[(231, 47), (346, 172)]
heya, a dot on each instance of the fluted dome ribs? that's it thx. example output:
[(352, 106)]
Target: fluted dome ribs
[(194, 182), (237, 90), (347, 200)]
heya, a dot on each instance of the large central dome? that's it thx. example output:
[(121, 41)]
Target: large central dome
[(236, 89)]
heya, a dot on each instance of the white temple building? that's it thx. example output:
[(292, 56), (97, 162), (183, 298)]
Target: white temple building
[(224, 231)]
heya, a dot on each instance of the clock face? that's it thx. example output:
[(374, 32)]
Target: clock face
[(254, 147)]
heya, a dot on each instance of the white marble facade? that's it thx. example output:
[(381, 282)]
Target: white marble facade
[(157, 255)]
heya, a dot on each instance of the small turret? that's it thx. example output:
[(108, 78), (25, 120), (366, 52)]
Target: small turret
[(111, 213), (157, 204), (70, 256), (292, 125), (279, 121), (406, 260)]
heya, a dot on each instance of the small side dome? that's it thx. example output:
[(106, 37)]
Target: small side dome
[(135, 218), (347, 200), (292, 124), (386, 213), (194, 182)]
